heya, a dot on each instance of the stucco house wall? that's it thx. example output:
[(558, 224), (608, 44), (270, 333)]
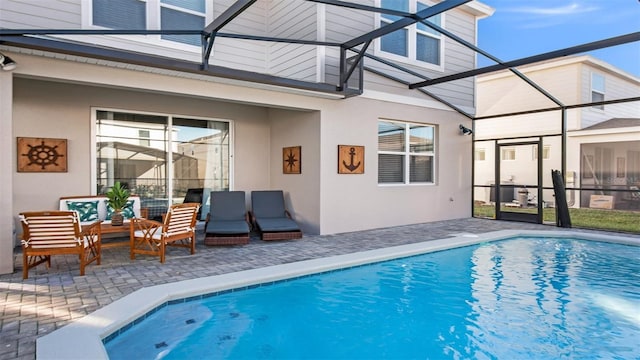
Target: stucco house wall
[(54, 95), (54, 98)]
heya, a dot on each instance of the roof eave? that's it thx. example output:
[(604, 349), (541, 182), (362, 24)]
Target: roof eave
[(109, 54)]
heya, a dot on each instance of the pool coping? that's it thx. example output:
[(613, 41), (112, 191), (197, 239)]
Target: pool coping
[(82, 339)]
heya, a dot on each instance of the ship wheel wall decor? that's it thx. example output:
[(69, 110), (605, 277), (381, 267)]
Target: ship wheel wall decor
[(42, 155)]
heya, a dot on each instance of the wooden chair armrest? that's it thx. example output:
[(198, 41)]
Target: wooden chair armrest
[(92, 232), (145, 223), (144, 228), (94, 227)]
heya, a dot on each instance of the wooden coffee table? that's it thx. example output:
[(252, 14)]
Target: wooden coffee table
[(122, 231)]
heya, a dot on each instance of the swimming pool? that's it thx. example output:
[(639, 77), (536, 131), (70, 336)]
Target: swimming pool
[(104, 322)]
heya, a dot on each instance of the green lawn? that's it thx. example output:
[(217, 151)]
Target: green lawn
[(615, 220)]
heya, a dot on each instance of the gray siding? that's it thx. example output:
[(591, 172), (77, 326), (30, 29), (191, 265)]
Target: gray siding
[(38, 14), (242, 54), (294, 19), (615, 87), (67, 14), (344, 24)]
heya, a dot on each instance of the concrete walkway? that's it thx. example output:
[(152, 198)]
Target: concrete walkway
[(51, 298)]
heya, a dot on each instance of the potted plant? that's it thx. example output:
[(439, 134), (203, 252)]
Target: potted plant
[(117, 198)]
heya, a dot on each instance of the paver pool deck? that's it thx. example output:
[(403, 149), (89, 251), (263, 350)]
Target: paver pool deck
[(52, 298)]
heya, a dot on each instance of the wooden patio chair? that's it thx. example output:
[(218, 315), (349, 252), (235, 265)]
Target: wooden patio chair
[(47, 233), (149, 237)]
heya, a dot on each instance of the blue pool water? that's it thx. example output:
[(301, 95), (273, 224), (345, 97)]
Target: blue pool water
[(525, 298)]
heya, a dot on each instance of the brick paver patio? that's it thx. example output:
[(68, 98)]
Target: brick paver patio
[(51, 298)]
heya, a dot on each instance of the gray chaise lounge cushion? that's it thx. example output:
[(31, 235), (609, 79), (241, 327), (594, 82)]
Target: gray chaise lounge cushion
[(269, 211), (228, 213), (227, 227), (279, 224)]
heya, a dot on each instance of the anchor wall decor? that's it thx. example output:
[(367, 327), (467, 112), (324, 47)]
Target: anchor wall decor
[(350, 159), (292, 160), (42, 155)]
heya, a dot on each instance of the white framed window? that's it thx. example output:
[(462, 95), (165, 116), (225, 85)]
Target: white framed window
[(406, 153), (546, 152), (508, 153), (597, 89), (145, 137), (151, 15), (417, 44), (480, 154)]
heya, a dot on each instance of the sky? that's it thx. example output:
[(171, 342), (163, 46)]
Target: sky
[(522, 28)]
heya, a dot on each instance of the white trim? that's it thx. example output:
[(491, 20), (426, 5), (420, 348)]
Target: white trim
[(321, 51), (168, 159), (91, 329), (478, 9), (93, 172), (86, 9), (607, 131), (153, 17), (553, 63)]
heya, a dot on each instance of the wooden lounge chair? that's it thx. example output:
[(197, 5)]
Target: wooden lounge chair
[(228, 220), (47, 233), (150, 237), (270, 216)]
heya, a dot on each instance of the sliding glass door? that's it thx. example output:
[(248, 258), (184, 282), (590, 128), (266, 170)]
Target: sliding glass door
[(162, 158)]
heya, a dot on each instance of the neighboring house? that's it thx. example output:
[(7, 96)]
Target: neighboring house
[(140, 109), (603, 141)]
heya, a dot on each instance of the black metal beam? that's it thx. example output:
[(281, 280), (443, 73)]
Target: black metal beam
[(618, 40), (396, 66), (471, 46), (275, 39), (19, 32), (557, 108), (231, 13), (73, 48), (345, 75), (404, 22)]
